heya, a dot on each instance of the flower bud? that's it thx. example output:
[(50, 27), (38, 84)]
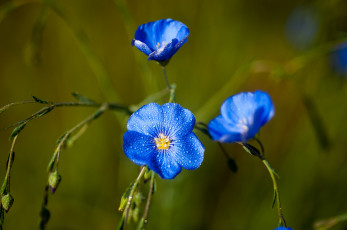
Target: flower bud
[(7, 201), (54, 180)]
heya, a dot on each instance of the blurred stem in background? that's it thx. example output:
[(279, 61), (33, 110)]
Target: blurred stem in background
[(148, 82), (104, 80), (330, 222)]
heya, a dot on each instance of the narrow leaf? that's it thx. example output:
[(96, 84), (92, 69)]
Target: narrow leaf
[(52, 161), (17, 130), (39, 100), (60, 139), (125, 197), (45, 111), (252, 150), (82, 98), (274, 199)]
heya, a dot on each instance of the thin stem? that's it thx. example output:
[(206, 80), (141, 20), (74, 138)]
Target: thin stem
[(143, 220), (330, 222), (131, 194), (272, 173), (6, 185), (6, 107), (166, 79), (82, 124), (223, 150), (47, 109), (170, 87)]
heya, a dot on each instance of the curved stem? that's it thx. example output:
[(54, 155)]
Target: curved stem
[(131, 195), (330, 222), (273, 174)]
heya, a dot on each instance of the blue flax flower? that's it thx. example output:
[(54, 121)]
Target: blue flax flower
[(161, 137), (339, 59), (241, 117), (161, 39), (283, 228)]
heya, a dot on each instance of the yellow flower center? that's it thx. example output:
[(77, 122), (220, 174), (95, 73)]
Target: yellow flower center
[(162, 141), (158, 44)]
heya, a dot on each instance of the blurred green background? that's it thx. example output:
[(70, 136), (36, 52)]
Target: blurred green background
[(51, 51)]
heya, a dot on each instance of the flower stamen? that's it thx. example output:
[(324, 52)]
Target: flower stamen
[(162, 141)]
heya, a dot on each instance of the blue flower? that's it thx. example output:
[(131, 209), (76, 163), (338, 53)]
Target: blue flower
[(339, 59), (283, 228), (161, 137), (302, 27), (241, 117), (161, 39)]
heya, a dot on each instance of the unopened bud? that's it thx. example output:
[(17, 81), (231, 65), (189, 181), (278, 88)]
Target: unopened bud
[(7, 201), (54, 180)]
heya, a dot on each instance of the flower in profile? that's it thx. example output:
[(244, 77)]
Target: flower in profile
[(161, 39), (161, 137), (283, 228), (241, 117), (339, 59)]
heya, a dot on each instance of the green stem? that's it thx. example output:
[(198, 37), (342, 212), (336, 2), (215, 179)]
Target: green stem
[(131, 195), (166, 79), (273, 174), (45, 110), (170, 87), (5, 188), (143, 220), (82, 124)]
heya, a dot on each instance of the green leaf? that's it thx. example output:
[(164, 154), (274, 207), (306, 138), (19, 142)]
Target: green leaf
[(274, 199), (125, 198), (3, 189), (17, 130), (252, 150), (45, 111), (52, 161), (7, 202), (82, 98), (39, 100), (60, 139)]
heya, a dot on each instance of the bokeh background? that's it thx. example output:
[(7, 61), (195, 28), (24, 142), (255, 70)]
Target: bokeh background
[(294, 50)]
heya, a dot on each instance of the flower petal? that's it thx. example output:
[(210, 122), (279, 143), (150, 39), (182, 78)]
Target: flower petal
[(141, 46), (223, 131), (188, 152), (165, 52), (264, 101), (164, 165), (146, 120), (177, 120), (238, 107), (139, 148)]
